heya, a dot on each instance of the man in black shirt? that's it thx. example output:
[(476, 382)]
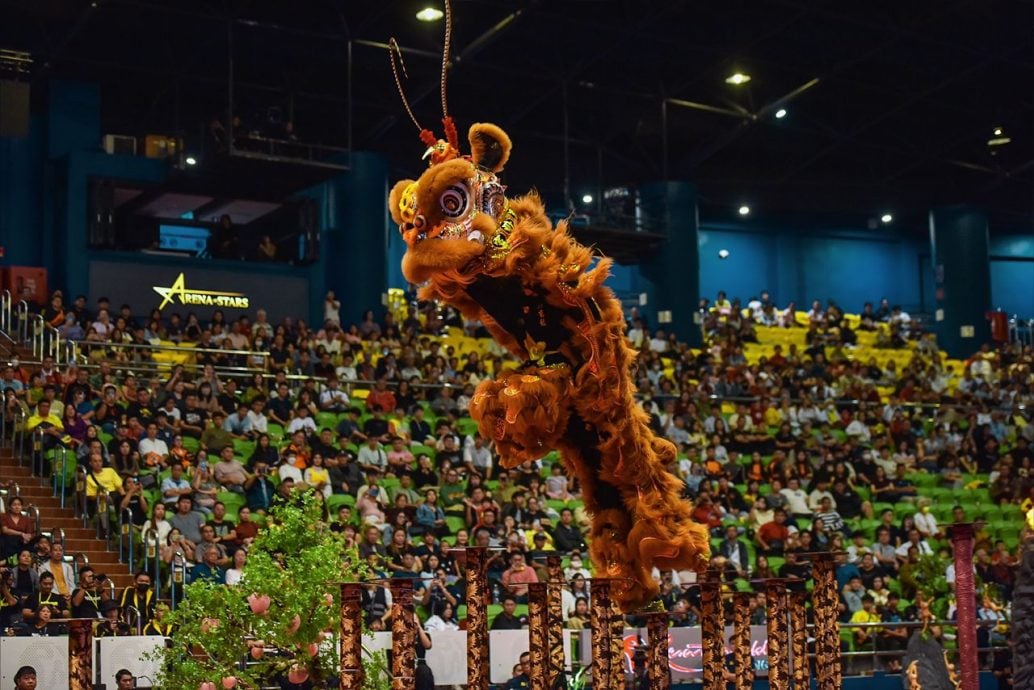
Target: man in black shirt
[(419, 429), (506, 620), (348, 430), (45, 595), (345, 475), (193, 418), (85, 598), (280, 406), (141, 409), (567, 536)]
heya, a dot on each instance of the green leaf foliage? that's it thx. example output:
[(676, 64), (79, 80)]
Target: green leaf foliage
[(297, 562)]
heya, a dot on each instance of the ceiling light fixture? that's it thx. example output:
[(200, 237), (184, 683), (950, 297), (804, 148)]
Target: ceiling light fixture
[(780, 114), (723, 253), (586, 198), (190, 160), (744, 210), (737, 78), (886, 218), (430, 14), (998, 131)]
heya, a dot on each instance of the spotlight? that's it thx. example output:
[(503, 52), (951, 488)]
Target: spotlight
[(781, 113), (430, 14), (744, 210), (998, 131), (737, 78), (723, 253), (886, 218), (190, 160), (586, 198)]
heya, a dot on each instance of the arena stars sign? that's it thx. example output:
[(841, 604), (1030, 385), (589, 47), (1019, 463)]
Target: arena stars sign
[(195, 297)]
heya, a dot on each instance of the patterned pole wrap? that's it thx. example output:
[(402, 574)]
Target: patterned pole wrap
[(555, 632), (712, 632), (778, 636), (599, 616), (657, 669), (80, 653), (965, 597), (403, 636), (351, 651), (477, 617), (538, 631), (743, 660), (799, 635), (617, 644), (824, 601)]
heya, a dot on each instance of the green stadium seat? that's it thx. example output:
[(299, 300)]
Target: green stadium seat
[(335, 501), (455, 523)]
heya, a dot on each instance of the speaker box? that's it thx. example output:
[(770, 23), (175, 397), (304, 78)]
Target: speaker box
[(14, 109)]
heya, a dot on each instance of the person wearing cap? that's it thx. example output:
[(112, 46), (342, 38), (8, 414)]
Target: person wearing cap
[(112, 625)]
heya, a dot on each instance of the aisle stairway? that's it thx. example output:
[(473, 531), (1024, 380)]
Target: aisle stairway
[(78, 539)]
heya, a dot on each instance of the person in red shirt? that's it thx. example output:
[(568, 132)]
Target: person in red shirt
[(380, 397), (772, 536)]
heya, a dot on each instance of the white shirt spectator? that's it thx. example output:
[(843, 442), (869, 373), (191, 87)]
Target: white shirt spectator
[(796, 501), (858, 430), (259, 423), (926, 523), (301, 424), (156, 446)]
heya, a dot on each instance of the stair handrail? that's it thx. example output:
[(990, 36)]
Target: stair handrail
[(38, 330), (76, 557), (80, 494), (139, 624), (6, 302), (125, 532), (37, 451), (32, 511), (57, 535), (182, 580), (54, 475), (18, 434), (150, 539), (21, 310)]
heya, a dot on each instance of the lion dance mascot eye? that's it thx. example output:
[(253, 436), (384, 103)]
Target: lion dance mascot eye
[(500, 261)]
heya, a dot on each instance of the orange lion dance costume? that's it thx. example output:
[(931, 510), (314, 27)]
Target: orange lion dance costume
[(501, 261)]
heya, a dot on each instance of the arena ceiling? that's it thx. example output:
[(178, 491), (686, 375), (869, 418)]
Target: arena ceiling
[(889, 105)]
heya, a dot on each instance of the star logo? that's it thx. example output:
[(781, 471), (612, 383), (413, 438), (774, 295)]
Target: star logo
[(214, 298)]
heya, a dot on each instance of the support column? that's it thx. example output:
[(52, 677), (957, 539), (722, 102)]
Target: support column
[(965, 598), (671, 280), (351, 651), (600, 614), (743, 659), (962, 278), (538, 632), (825, 598), (658, 670), (778, 635), (403, 636), (712, 632), (799, 637), (477, 617), (555, 633), (80, 653)]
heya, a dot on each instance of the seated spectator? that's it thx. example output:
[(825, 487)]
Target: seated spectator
[(773, 536), (18, 529), (506, 619), (209, 569), (229, 472), (317, 475), (152, 450), (239, 424), (334, 399), (302, 421), (925, 521), (215, 437), (206, 488), (259, 489), (516, 578)]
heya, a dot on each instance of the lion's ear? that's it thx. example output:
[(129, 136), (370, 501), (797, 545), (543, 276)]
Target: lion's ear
[(489, 146), (395, 197)]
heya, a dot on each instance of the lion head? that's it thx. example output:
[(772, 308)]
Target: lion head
[(457, 211)]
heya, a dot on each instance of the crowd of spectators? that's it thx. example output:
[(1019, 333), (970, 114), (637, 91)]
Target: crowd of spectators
[(820, 446)]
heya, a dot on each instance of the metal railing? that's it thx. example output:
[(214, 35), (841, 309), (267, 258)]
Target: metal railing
[(153, 551), (179, 578)]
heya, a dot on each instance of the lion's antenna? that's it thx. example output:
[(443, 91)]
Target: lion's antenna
[(445, 54), (393, 49)]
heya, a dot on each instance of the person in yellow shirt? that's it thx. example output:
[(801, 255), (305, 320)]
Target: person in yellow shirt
[(106, 481), (865, 637), (49, 424)]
